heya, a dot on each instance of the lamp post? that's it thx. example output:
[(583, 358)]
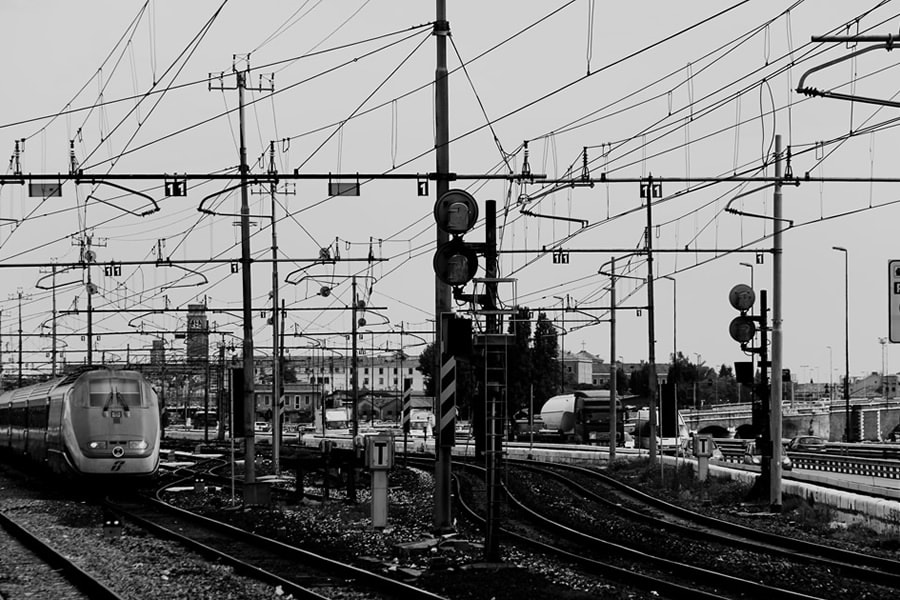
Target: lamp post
[(674, 316), (846, 341), (562, 349), (830, 377)]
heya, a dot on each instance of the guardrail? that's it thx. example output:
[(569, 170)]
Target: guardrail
[(732, 449), (847, 465), (866, 460)]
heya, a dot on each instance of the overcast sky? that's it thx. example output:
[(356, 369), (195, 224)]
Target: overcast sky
[(677, 90)]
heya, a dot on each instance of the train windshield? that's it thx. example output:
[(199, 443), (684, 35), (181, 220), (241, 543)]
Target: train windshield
[(113, 392)]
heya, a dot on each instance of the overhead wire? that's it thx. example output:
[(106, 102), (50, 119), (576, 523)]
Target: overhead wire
[(203, 81), (364, 101), (219, 115), (131, 26)]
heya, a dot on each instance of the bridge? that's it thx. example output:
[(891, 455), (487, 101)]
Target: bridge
[(870, 419)]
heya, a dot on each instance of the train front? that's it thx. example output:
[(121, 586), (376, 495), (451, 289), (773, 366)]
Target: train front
[(113, 424)]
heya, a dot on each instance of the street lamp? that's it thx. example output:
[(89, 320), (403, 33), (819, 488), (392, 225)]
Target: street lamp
[(674, 316), (749, 266), (562, 350), (846, 341), (830, 378)]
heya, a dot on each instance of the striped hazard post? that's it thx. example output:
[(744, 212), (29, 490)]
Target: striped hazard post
[(407, 405), (447, 412)]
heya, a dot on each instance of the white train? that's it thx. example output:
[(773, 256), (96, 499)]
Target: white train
[(94, 422)]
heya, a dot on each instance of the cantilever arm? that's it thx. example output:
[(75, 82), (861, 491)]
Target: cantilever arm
[(811, 91), (130, 191), (219, 193)]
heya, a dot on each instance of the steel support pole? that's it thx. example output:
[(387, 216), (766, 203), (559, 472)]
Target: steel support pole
[(651, 326), (354, 410), (846, 341), (777, 343), (276, 362), (247, 346), (612, 361), (442, 508)]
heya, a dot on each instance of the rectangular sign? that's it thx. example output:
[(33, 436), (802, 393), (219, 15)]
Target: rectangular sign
[(44, 190), (380, 452), (894, 301), (343, 188)]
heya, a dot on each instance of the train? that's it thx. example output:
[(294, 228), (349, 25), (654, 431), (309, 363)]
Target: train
[(93, 422)]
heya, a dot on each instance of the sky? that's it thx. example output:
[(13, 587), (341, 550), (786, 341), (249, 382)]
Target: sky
[(690, 93)]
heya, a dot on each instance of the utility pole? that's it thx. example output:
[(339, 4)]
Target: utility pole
[(351, 476), (775, 398), (250, 492), (613, 434), (276, 356), (1, 352), (53, 317), (649, 192), (20, 297), (89, 257), (220, 401), (442, 305)]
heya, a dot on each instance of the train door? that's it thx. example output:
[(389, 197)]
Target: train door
[(35, 440), (55, 422), (5, 416)]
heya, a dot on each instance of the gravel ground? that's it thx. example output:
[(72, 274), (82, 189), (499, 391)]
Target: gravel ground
[(450, 568), (554, 499), (727, 501), (133, 564)]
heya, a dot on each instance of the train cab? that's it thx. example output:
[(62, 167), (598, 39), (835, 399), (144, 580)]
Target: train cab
[(113, 422)]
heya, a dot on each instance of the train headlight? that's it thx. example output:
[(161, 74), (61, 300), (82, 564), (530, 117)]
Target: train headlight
[(137, 445), (97, 445)]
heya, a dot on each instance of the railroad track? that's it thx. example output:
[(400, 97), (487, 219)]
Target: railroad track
[(660, 514), (631, 571), (660, 572), (299, 572), (76, 581)]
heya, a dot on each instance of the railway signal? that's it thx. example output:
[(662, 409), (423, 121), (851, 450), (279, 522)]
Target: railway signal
[(456, 261), (743, 327)]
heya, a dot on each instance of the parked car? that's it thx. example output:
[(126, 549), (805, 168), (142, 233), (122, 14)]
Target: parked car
[(806, 443), (752, 456), (894, 435), (260, 427)]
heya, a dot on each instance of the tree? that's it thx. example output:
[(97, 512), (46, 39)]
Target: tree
[(544, 362), (684, 375), (465, 378), (621, 381), (639, 381), (426, 368), (519, 362)]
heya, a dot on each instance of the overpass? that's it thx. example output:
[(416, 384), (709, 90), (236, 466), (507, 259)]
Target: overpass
[(873, 418)]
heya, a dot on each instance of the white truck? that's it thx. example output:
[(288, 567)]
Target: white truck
[(338, 421)]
